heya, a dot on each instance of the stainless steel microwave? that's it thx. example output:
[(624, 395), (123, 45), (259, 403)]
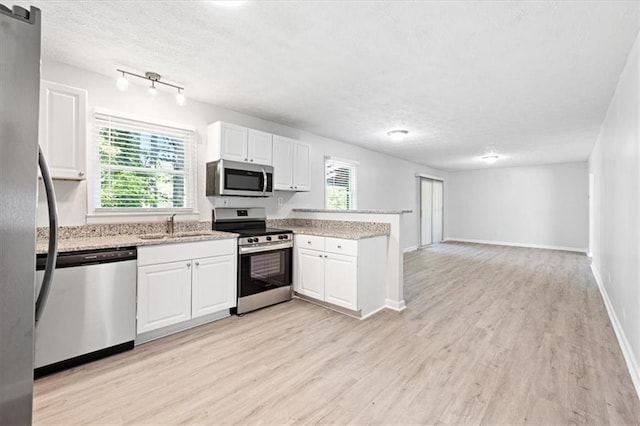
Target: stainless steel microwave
[(226, 177)]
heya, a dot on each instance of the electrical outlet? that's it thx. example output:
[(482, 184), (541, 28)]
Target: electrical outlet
[(280, 201)]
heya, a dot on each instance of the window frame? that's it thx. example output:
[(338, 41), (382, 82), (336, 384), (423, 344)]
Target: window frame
[(99, 214), (354, 181)]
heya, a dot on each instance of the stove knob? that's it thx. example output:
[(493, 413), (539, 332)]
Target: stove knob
[(250, 240), (285, 237), (280, 237), (268, 238)]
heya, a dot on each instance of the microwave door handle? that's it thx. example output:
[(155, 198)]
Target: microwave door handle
[(264, 182)]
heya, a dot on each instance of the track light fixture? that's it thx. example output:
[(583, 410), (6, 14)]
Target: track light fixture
[(123, 84)]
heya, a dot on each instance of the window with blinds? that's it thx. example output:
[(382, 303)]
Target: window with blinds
[(142, 166), (340, 184)]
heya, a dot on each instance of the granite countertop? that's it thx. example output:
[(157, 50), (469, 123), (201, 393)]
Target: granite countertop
[(347, 234), (116, 241), (352, 211)]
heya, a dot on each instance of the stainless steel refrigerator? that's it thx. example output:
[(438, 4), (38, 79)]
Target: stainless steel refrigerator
[(19, 159)]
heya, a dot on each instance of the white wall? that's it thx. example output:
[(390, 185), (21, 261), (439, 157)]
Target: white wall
[(384, 182), (615, 166), (538, 205)]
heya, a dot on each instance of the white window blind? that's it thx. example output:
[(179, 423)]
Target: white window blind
[(142, 166), (340, 184)]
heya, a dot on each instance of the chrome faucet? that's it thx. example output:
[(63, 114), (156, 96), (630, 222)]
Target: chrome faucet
[(171, 223)]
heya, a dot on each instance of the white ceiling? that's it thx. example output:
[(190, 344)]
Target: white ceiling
[(530, 80)]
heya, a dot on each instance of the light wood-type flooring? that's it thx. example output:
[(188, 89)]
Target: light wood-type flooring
[(491, 335)]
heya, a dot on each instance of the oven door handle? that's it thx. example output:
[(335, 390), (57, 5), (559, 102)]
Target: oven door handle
[(258, 249)]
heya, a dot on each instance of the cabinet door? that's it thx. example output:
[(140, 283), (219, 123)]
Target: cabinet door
[(63, 129), (213, 285), (260, 147), (164, 295), (310, 274), (341, 280), (233, 142), (301, 168), (282, 163)]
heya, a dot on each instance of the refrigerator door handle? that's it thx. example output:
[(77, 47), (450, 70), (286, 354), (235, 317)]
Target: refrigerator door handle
[(52, 255)]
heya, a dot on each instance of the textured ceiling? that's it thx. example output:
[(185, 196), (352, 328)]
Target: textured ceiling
[(530, 80)]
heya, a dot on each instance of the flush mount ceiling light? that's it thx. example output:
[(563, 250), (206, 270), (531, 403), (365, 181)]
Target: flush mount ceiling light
[(398, 135), (491, 158), (122, 83)]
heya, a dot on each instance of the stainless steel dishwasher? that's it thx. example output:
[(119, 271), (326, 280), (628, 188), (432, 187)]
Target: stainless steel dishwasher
[(91, 310)]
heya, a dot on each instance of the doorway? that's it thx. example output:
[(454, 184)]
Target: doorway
[(431, 211)]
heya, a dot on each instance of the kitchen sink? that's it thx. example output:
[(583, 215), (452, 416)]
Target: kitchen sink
[(174, 235)]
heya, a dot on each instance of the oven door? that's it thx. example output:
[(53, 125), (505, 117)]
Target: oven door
[(261, 271)]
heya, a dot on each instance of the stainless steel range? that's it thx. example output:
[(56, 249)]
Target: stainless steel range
[(264, 257)]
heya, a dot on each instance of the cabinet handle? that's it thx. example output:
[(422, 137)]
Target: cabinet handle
[(188, 265), (80, 174), (197, 263), (251, 160), (325, 256), (320, 255), (295, 187), (339, 246), (308, 242), (246, 159), (291, 187)]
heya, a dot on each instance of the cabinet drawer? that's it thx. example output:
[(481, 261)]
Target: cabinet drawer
[(310, 242), (163, 253), (340, 246)]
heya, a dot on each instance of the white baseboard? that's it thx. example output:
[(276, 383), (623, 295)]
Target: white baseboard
[(627, 352), (395, 305), (409, 249), (505, 243)]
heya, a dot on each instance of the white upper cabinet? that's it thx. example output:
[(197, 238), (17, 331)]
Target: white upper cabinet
[(291, 162), (237, 143), (301, 168), (282, 163), (259, 146), (63, 129), (233, 142)]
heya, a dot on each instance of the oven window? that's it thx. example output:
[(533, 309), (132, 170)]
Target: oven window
[(264, 271), (243, 180)]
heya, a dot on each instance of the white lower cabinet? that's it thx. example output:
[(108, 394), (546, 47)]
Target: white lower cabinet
[(311, 282), (213, 285), (348, 274), (182, 283), (340, 279), (164, 295)]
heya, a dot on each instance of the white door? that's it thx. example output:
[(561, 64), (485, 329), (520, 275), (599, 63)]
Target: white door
[(164, 295), (426, 212), (282, 163), (233, 140), (431, 211), (437, 211), (260, 147), (213, 285), (311, 273), (341, 280), (63, 131), (301, 167)]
